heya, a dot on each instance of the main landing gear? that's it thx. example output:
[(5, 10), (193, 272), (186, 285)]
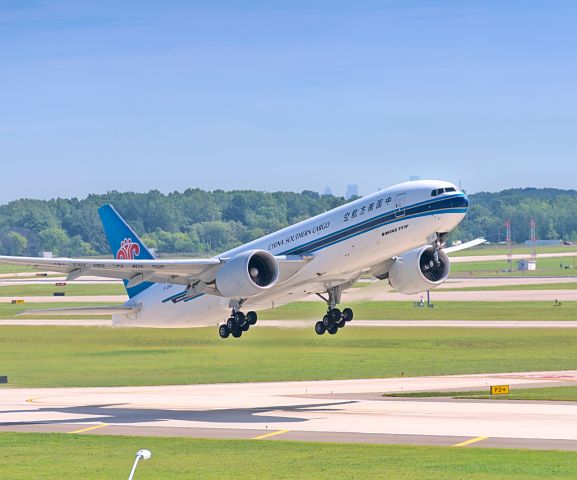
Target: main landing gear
[(334, 319), (237, 324)]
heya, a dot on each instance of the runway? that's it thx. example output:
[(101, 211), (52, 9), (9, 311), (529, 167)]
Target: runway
[(327, 411)]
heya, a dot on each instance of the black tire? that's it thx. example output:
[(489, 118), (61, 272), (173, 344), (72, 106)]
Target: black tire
[(251, 318), (341, 323), (327, 322), (223, 331), (237, 332), (239, 318), (245, 326), (335, 315), (347, 314), (333, 329), (320, 328), (230, 323)]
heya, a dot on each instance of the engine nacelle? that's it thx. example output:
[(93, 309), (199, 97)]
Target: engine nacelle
[(247, 274), (417, 270)]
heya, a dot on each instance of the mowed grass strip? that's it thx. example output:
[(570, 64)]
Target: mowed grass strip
[(92, 356), (559, 394), (554, 266), (517, 250), (441, 311), (43, 289), (8, 311), (57, 456), (4, 268), (533, 286)]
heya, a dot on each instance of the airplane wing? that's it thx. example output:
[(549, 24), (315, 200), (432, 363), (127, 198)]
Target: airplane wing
[(136, 264), (464, 246), (137, 271), (182, 272)]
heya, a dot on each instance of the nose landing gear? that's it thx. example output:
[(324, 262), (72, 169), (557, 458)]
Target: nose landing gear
[(237, 323)]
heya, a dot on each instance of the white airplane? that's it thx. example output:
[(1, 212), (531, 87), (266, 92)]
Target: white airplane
[(397, 233)]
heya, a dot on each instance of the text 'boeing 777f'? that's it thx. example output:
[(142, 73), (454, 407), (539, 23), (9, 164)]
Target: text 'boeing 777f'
[(397, 233)]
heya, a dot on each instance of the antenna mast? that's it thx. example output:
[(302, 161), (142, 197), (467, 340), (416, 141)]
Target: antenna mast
[(509, 244), (533, 240)]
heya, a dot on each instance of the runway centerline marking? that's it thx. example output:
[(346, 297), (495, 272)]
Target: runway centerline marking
[(271, 434), (470, 441), (94, 427)]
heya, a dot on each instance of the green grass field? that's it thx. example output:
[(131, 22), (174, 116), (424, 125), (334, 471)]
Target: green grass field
[(493, 249), (56, 456), (14, 269), (560, 394), (545, 267), (91, 356), (35, 290), (378, 310), (441, 311)]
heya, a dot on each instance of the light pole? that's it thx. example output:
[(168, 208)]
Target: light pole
[(144, 454)]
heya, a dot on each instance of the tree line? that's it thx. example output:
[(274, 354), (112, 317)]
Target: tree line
[(197, 222)]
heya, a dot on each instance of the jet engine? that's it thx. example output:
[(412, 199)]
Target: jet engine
[(419, 270), (247, 274)]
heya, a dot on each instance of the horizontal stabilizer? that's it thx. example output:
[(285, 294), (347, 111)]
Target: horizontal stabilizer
[(109, 310)]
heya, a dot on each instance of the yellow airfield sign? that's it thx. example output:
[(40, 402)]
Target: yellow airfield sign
[(499, 389)]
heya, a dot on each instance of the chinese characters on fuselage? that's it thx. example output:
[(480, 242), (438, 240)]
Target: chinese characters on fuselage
[(368, 208)]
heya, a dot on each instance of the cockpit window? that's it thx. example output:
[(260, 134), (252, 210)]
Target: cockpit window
[(440, 191)]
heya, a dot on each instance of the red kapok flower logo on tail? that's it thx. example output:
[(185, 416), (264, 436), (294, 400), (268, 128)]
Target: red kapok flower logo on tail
[(128, 250)]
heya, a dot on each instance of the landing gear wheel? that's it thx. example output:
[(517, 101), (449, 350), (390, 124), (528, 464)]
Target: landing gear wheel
[(239, 317), (327, 322), (245, 326), (341, 323), (333, 329), (231, 324), (223, 331), (335, 315), (251, 318), (320, 328), (237, 332), (347, 314)]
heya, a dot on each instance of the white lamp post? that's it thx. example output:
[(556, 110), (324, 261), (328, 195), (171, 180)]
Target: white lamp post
[(144, 454)]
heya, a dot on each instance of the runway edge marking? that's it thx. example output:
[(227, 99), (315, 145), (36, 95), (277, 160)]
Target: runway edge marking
[(94, 427), (271, 434), (470, 441)]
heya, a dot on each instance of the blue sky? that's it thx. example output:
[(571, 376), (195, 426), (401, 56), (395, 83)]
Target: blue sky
[(285, 95)]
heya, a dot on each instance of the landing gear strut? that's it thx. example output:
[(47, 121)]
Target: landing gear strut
[(237, 323), (334, 318)]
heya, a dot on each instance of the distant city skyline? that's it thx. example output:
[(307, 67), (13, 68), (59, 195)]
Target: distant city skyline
[(134, 96)]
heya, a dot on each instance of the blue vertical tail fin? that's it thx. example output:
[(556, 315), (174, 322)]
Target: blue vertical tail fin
[(124, 243)]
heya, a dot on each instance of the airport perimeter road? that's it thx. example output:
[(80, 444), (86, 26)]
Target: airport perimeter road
[(384, 294), (337, 411)]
